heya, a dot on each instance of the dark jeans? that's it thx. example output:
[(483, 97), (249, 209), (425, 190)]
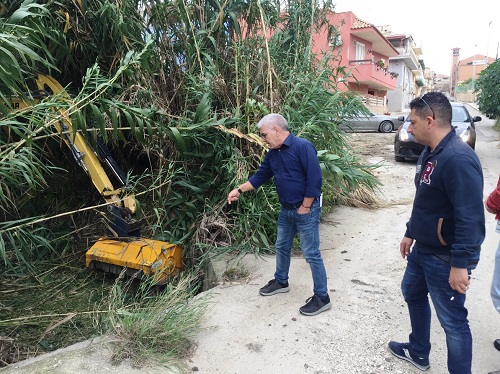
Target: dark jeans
[(426, 274)]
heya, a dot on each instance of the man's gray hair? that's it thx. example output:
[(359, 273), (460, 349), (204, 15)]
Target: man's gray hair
[(274, 119)]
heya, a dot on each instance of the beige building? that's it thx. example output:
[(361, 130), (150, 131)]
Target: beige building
[(409, 69), (468, 68), (442, 83)]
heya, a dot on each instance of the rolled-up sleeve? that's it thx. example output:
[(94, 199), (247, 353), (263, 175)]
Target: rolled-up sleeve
[(310, 164), (263, 174)]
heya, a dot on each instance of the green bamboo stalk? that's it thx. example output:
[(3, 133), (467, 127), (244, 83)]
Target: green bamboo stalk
[(269, 64)]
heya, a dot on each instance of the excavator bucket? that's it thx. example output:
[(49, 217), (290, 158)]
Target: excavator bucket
[(160, 260)]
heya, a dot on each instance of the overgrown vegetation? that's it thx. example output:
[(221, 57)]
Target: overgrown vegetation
[(152, 327), (145, 319), (174, 88), (488, 86)]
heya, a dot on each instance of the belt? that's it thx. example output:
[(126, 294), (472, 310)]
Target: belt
[(291, 206), (447, 258)]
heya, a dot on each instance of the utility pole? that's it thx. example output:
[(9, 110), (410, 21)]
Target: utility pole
[(488, 45), (474, 67), (474, 75), (454, 70)]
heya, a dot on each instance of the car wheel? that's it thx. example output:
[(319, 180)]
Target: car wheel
[(385, 126), (399, 158)]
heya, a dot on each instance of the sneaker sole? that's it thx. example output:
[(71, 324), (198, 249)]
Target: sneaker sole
[(496, 343), (420, 367), (279, 290), (322, 309)]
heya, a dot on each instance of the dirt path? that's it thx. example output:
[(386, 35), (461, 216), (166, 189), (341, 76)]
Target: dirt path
[(246, 333)]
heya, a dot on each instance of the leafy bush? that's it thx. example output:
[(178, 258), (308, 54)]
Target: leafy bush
[(488, 86)]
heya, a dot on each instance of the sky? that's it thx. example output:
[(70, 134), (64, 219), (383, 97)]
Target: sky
[(436, 25)]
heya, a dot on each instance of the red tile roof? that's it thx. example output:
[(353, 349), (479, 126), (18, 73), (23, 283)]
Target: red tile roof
[(360, 24)]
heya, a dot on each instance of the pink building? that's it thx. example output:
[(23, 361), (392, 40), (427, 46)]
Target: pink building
[(363, 51)]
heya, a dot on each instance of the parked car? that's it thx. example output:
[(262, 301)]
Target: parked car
[(372, 122), (405, 147)]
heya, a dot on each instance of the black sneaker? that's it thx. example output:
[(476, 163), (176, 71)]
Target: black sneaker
[(496, 343), (402, 351), (273, 287), (314, 305)]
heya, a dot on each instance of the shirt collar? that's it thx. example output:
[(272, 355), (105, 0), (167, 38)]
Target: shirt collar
[(290, 139), (443, 142)]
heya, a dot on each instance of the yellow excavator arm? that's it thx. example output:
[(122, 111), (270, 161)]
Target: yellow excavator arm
[(156, 258), (82, 152)]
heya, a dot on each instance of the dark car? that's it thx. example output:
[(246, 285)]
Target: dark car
[(371, 122), (405, 147)]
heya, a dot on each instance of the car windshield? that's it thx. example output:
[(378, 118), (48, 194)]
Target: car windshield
[(459, 114)]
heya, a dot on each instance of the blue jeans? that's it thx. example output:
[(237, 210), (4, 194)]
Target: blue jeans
[(290, 222), (495, 284), (427, 274)]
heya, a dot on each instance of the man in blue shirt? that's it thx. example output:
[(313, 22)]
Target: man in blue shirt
[(443, 237), (293, 162)]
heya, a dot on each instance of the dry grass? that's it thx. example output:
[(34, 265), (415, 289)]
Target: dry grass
[(362, 198), (235, 274)]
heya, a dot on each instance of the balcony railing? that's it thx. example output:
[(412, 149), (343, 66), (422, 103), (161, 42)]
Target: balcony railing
[(370, 73)]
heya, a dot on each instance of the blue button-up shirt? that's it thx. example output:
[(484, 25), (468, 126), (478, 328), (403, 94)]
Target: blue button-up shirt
[(295, 168)]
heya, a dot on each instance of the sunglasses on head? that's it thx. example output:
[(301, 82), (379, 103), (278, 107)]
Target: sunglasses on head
[(432, 110)]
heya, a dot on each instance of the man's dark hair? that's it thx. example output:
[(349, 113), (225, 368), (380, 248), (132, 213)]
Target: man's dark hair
[(434, 104)]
